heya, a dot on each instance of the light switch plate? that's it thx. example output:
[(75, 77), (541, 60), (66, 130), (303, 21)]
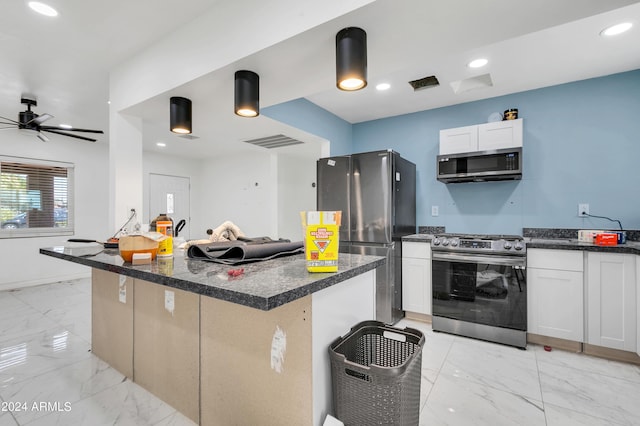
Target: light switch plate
[(435, 211)]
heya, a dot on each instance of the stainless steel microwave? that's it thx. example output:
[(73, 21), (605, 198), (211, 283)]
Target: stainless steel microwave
[(480, 166)]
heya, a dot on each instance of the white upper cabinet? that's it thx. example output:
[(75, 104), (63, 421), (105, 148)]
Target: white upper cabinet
[(499, 135), (483, 137), (460, 139)]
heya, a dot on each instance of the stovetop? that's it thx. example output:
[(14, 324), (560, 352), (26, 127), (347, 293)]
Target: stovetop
[(480, 243), (492, 237)]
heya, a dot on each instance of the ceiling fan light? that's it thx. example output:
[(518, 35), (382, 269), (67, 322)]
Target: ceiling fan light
[(247, 94), (180, 115), (43, 9), (351, 59)]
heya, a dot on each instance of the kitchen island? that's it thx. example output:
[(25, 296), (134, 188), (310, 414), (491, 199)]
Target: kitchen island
[(226, 344)]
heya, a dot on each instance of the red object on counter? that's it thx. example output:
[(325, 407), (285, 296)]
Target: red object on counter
[(235, 272), (606, 239)]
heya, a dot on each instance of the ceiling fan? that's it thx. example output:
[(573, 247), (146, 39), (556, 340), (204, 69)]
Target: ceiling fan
[(29, 120)]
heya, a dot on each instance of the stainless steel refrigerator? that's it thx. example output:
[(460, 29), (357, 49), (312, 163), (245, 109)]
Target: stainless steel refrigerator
[(376, 192)]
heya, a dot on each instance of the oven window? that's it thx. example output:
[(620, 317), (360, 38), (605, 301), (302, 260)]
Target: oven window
[(480, 293)]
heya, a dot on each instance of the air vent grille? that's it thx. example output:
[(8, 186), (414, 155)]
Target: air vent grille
[(424, 83), (189, 137), (276, 141)]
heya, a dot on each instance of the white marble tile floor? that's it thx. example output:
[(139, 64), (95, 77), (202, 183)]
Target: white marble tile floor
[(48, 375), (472, 382)]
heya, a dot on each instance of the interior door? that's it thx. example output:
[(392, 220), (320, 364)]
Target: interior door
[(170, 195)]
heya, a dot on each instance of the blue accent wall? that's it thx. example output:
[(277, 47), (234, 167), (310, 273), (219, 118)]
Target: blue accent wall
[(307, 116), (581, 145)]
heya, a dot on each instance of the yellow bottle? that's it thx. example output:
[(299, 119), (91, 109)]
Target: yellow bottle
[(164, 225)]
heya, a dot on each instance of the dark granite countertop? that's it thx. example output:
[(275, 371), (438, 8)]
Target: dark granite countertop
[(418, 238), (263, 285), (630, 247)]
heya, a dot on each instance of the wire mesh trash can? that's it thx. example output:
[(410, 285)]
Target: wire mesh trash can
[(375, 371)]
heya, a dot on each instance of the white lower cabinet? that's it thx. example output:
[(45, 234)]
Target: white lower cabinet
[(638, 306), (612, 319), (416, 277), (555, 282)]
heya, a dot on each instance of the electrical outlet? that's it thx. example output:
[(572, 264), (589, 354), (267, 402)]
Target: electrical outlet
[(583, 210), (435, 211)]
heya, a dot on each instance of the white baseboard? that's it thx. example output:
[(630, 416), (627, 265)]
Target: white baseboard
[(45, 280)]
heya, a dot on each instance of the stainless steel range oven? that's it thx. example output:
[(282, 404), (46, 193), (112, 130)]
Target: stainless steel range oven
[(479, 287)]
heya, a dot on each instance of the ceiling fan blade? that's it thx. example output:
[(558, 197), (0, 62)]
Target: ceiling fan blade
[(8, 126), (68, 134), (40, 119), (72, 129), (42, 137), (8, 119)]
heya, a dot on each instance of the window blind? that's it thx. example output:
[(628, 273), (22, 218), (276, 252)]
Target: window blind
[(35, 198)]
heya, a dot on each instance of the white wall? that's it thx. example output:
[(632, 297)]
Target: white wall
[(22, 264), (241, 189), (225, 189), (295, 193)]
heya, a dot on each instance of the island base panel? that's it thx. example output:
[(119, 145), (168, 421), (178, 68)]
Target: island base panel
[(166, 347), (256, 365), (112, 320)]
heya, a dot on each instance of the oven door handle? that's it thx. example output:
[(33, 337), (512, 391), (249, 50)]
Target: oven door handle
[(517, 262)]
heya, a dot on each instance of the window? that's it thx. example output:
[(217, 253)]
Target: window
[(36, 198)]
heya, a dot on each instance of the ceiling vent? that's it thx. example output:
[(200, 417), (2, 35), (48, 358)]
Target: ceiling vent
[(473, 83), (276, 141), (188, 137), (424, 83)]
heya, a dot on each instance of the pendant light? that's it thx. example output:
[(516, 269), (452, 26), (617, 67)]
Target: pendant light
[(180, 115), (247, 93), (351, 59)]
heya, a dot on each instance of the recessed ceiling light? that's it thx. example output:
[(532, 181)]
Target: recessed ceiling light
[(43, 9), (383, 86), (478, 63), (66, 126), (161, 144), (616, 29)]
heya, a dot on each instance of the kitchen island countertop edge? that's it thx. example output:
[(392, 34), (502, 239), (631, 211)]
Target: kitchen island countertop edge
[(261, 285)]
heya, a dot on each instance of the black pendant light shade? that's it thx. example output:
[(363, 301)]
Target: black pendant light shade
[(180, 115), (247, 93), (351, 59)]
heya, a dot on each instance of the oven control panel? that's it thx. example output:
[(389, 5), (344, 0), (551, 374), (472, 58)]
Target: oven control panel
[(475, 244), (479, 245)]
